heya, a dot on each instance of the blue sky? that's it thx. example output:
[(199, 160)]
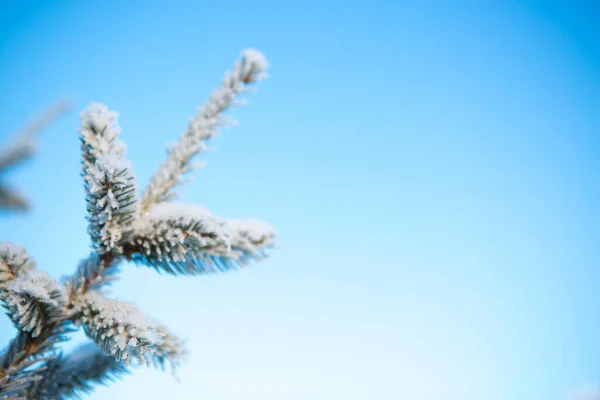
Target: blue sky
[(431, 168)]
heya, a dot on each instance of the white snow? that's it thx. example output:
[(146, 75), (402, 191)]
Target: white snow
[(98, 116), (109, 174), (167, 220), (106, 178), (179, 210), (204, 126), (256, 60), (254, 230), (99, 130), (13, 259), (38, 285), (122, 322)]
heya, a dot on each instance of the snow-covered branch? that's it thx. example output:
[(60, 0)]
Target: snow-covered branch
[(175, 237), (111, 202), (172, 350), (77, 373), (33, 301), (249, 240), (184, 239), (99, 134), (122, 331), (110, 182), (249, 69), (23, 361), (14, 260)]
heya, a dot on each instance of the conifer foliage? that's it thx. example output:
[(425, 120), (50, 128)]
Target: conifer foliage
[(21, 148), (153, 230)]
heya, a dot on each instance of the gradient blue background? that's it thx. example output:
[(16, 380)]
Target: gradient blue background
[(432, 170)]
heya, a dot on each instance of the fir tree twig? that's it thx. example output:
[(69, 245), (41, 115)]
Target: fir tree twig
[(178, 238), (249, 69), (20, 148), (72, 375)]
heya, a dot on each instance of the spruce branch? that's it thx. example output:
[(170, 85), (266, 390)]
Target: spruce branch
[(174, 238), (99, 134), (33, 301), (111, 201), (250, 240), (179, 247), (123, 332), (177, 238), (36, 304), (93, 273), (26, 350), (110, 182), (24, 360), (171, 351), (75, 374), (14, 261), (22, 147), (250, 68)]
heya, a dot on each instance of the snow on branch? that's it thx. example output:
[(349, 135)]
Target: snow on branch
[(250, 240), (76, 373), (99, 134), (175, 236), (185, 239), (193, 252), (111, 201), (123, 332), (33, 301), (14, 260), (172, 350), (110, 182), (24, 360), (250, 68), (172, 237)]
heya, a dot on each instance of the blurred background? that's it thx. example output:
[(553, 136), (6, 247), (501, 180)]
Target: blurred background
[(431, 168)]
